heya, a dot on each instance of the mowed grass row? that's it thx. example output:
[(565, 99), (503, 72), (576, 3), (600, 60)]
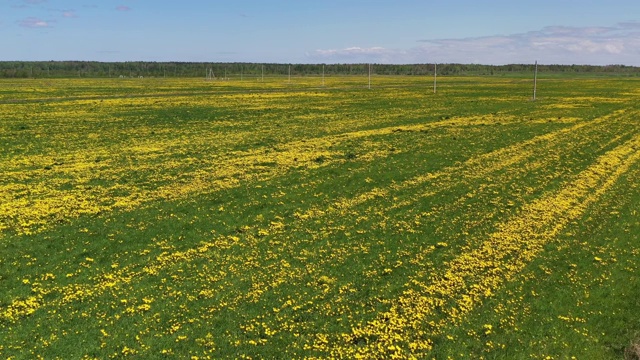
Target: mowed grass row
[(271, 220)]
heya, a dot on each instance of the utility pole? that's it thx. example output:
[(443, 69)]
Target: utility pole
[(369, 75), (435, 77), (323, 75), (535, 81)]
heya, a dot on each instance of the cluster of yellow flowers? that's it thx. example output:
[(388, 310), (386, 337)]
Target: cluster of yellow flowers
[(299, 267), (473, 275)]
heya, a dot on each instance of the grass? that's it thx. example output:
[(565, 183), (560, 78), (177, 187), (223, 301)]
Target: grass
[(182, 218)]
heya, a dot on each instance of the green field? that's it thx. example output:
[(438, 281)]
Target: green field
[(183, 218)]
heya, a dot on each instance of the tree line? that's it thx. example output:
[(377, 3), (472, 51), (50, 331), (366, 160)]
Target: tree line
[(135, 69)]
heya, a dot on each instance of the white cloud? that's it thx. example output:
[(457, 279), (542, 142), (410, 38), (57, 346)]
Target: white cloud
[(357, 54), (351, 51), (69, 14), (618, 44), (35, 23)]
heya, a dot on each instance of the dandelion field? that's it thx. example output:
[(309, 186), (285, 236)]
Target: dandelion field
[(180, 218)]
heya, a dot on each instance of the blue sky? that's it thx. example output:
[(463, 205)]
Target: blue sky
[(323, 31)]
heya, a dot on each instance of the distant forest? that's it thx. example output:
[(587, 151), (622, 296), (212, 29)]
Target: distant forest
[(136, 69)]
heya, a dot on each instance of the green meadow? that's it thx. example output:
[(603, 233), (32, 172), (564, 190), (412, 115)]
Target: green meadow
[(320, 218)]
